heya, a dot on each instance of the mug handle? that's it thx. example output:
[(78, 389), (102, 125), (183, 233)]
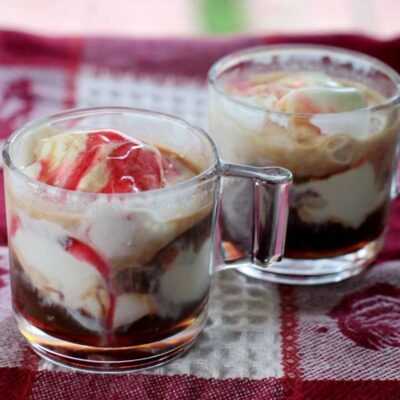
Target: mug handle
[(395, 188), (270, 207)]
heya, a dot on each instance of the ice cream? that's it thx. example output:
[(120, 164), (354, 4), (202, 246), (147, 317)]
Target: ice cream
[(101, 261), (321, 128), (310, 93), (99, 162)]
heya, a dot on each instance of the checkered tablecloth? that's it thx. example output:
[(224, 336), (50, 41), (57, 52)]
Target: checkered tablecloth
[(262, 341)]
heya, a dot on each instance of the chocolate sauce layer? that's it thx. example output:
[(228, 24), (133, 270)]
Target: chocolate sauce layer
[(331, 239), (303, 240)]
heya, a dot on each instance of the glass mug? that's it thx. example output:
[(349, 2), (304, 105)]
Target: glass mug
[(117, 282), (343, 163)]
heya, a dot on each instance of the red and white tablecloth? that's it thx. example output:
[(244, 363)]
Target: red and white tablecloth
[(262, 341)]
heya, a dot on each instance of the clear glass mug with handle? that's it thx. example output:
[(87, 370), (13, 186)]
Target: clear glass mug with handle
[(330, 116), (120, 281)]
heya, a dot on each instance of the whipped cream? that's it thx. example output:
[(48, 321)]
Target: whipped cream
[(62, 278), (347, 198), (185, 280), (131, 307)]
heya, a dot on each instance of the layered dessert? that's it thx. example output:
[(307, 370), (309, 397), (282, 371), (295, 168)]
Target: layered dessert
[(320, 127), (108, 247)]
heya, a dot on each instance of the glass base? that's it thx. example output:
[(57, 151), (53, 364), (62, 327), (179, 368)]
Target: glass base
[(318, 271), (110, 360)]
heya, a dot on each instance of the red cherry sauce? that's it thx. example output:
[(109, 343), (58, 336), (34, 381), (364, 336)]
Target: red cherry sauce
[(83, 252), (132, 165)]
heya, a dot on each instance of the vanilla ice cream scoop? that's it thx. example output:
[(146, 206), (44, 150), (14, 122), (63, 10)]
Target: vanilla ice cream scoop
[(262, 94), (298, 80), (321, 100), (99, 162), (307, 92)]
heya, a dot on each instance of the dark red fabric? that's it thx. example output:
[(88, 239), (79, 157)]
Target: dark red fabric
[(195, 57), (3, 227), (189, 57), (391, 251), (347, 390), (386, 50), (150, 387), (19, 48)]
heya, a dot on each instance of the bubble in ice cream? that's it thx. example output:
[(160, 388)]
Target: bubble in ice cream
[(103, 161)]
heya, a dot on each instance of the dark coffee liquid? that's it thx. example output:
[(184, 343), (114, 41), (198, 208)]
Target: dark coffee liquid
[(56, 321), (304, 240), (331, 239)]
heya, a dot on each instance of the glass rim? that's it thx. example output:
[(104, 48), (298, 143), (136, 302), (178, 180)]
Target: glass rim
[(72, 113), (220, 64)]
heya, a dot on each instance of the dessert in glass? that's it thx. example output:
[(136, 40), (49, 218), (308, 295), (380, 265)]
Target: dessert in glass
[(330, 116), (111, 215)]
